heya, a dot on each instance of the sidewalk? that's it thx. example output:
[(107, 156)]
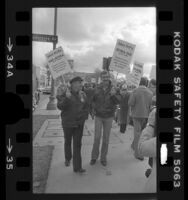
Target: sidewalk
[(41, 108), (123, 174), (42, 155)]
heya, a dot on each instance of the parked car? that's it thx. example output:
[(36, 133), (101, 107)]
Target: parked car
[(46, 90), (41, 89)]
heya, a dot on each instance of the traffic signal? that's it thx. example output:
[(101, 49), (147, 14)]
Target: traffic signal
[(106, 63)]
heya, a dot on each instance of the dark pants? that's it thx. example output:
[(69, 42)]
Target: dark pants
[(123, 128), (139, 124), (150, 162), (76, 133)]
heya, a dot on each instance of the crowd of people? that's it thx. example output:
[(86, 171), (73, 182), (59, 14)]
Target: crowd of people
[(106, 102)]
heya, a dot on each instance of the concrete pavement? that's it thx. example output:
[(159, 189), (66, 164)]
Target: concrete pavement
[(123, 174), (41, 108)]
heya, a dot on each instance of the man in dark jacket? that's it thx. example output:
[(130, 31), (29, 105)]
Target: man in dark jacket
[(74, 112), (140, 103), (104, 103)]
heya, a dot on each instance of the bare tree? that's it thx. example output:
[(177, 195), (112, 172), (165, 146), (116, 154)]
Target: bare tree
[(97, 72)]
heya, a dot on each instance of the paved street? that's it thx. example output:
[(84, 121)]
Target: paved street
[(123, 174)]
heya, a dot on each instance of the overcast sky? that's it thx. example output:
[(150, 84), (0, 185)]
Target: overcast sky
[(89, 34)]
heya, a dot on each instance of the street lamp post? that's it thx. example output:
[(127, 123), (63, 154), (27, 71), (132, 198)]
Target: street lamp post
[(52, 104)]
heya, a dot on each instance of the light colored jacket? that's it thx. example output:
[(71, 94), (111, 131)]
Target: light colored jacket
[(147, 148), (140, 102)]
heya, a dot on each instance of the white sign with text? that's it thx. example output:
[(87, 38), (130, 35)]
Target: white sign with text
[(122, 56), (136, 74), (57, 62)]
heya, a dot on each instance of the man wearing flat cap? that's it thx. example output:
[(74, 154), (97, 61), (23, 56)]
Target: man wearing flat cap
[(74, 111)]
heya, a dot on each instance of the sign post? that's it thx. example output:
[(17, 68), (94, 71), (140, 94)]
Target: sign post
[(52, 104)]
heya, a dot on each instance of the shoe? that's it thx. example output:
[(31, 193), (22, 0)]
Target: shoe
[(104, 163), (67, 163), (80, 171), (148, 172), (139, 158), (93, 161)]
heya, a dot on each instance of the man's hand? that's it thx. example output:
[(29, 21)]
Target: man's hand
[(113, 91), (81, 95), (68, 93), (61, 90)]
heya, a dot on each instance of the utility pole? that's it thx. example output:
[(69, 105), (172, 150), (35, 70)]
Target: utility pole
[(52, 104)]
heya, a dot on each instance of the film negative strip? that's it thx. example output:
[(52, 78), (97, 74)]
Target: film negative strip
[(19, 98)]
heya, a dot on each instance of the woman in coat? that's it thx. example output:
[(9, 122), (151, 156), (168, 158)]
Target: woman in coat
[(147, 148)]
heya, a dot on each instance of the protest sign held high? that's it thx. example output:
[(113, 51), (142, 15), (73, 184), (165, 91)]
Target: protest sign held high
[(122, 56), (153, 72), (57, 62), (137, 72)]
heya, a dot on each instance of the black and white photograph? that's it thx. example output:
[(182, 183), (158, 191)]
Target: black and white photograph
[(94, 100)]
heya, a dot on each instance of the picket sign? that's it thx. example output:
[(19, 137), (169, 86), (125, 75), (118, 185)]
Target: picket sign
[(153, 72), (122, 57), (57, 62), (134, 77)]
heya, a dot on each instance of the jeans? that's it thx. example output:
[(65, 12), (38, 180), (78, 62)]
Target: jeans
[(106, 124), (76, 133), (139, 124)]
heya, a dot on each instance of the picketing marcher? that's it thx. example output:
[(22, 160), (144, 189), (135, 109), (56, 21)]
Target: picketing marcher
[(104, 103), (74, 111), (123, 107), (147, 148), (151, 122), (89, 91), (140, 102), (152, 86)]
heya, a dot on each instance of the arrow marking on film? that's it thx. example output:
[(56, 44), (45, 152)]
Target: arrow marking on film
[(9, 147), (9, 45)]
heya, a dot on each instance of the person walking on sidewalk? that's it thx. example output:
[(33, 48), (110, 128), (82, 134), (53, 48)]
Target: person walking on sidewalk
[(104, 104), (152, 86), (140, 102), (147, 148), (123, 108), (74, 111), (151, 123)]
